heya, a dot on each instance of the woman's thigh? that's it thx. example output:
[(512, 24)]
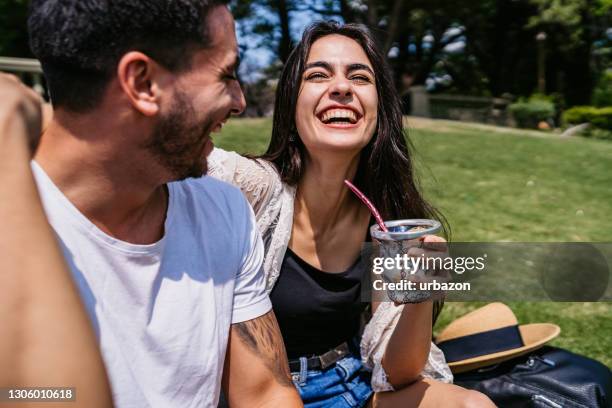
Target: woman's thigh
[(427, 393)]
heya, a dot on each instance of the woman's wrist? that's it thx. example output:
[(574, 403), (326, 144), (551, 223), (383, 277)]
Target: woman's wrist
[(420, 307)]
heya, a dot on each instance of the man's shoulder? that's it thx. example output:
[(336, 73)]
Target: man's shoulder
[(213, 193), (212, 186)]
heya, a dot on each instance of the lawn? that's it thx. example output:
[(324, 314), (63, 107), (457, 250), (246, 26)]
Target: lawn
[(498, 184)]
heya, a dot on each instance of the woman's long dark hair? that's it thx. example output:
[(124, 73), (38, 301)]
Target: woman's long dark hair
[(385, 172)]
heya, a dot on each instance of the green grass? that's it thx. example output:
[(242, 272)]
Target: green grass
[(497, 184), (510, 187)]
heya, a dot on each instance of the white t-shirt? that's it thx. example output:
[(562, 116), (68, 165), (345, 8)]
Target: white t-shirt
[(162, 312)]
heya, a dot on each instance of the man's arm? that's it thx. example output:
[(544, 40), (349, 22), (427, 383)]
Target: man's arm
[(256, 370), (46, 339)]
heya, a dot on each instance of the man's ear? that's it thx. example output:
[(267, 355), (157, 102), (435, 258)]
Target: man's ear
[(140, 77)]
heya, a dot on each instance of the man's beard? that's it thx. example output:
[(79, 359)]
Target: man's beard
[(178, 141)]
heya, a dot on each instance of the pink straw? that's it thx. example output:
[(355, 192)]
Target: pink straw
[(368, 204)]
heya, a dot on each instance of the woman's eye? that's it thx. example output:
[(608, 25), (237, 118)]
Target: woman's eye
[(360, 78), (316, 75)]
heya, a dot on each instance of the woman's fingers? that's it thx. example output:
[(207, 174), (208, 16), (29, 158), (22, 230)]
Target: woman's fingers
[(433, 251), (434, 242)]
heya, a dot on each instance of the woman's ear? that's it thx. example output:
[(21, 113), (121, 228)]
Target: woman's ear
[(138, 76)]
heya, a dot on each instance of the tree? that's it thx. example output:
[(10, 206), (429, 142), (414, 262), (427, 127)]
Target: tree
[(482, 46), (269, 21), (574, 27), (504, 50), (13, 29)]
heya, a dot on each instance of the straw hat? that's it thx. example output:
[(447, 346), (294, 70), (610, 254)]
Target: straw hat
[(490, 335)]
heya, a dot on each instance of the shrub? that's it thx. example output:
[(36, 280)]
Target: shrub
[(598, 117), (602, 94), (541, 97), (578, 114), (532, 111), (597, 133)]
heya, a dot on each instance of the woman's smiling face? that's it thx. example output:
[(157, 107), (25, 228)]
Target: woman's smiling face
[(337, 104)]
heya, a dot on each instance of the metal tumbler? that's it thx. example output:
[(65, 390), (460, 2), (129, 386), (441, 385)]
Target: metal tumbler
[(398, 241)]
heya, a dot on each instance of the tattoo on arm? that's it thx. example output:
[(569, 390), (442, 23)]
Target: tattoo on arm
[(262, 336)]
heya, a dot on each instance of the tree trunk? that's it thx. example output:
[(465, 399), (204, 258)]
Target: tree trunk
[(393, 25), (285, 46), (372, 14), (578, 68)]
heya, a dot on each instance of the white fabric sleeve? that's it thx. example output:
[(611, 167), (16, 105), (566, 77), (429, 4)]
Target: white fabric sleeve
[(250, 297), (222, 165), (374, 342), (257, 179)]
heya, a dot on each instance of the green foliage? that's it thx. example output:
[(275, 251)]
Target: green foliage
[(566, 14), (542, 97), (602, 95), (603, 7), (528, 113), (577, 115), (598, 117), (569, 15), (597, 133)]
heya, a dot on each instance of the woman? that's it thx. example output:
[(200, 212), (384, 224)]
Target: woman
[(337, 117)]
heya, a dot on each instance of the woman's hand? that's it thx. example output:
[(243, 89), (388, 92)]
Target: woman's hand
[(20, 114), (432, 249), (408, 268)]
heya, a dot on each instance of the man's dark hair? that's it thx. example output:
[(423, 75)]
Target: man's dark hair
[(80, 42)]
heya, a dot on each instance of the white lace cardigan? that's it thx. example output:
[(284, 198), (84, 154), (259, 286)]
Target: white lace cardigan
[(272, 202)]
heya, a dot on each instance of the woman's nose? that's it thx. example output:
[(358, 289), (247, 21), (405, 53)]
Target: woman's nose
[(341, 87)]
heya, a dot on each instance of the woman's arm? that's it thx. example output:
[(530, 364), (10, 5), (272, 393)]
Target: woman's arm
[(408, 347), (46, 338), (407, 351)]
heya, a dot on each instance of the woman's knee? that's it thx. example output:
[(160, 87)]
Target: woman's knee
[(474, 399), (430, 393)]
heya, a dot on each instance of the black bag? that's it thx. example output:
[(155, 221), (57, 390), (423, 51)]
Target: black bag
[(546, 378)]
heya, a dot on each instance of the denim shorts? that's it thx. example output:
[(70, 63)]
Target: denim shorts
[(345, 384)]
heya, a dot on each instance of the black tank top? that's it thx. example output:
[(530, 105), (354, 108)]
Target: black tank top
[(316, 310)]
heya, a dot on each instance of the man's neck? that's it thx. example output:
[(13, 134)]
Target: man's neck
[(109, 183)]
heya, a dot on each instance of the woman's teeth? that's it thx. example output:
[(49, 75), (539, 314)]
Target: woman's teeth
[(342, 115)]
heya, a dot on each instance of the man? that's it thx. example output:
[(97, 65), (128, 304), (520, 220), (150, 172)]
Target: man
[(40, 309), (164, 266)]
